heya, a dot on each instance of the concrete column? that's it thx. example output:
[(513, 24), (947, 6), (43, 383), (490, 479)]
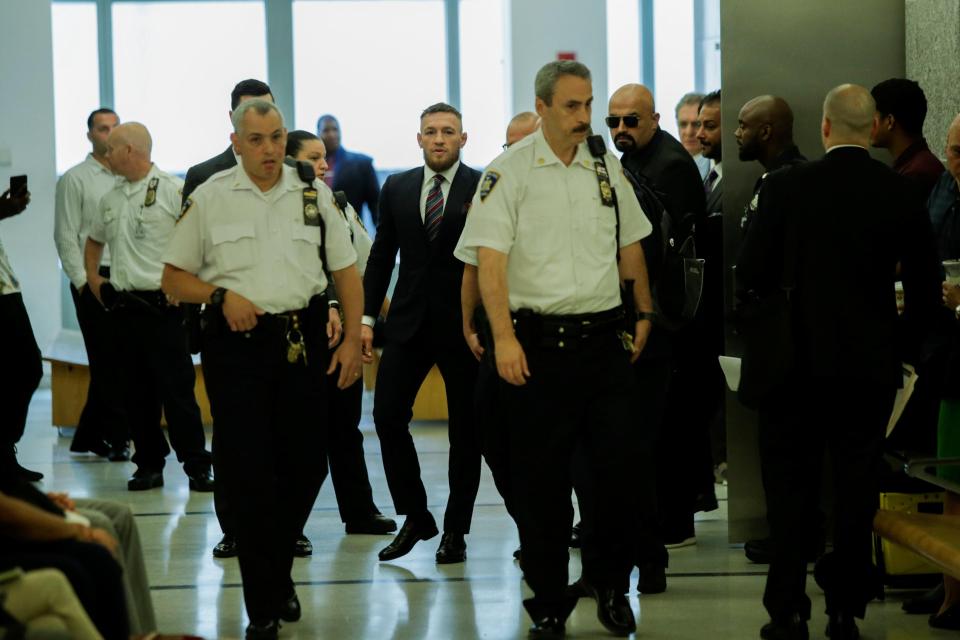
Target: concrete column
[(932, 49)]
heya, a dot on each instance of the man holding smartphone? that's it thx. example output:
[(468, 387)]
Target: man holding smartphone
[(103, 427), (19, 347)]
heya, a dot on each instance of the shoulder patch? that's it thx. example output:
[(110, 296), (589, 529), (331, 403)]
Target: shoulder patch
[(187, 204), (490, 179)]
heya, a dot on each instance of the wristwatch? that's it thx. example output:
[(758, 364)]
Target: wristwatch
[(334, 304), (216, 298)]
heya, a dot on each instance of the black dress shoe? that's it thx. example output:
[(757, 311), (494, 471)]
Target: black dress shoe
[(575, 536), (792, 628), (119, 453), (375, 524), (928, 603), (302, 548), (290, 609), (760, 551), (143, 480), (582, 588), (413, 531), (949, 619), (842, 627), (653, 579), (614, 612), (201, 481), (547, 627), (90, 445), (263, 630), (452, 549), (226, 548)]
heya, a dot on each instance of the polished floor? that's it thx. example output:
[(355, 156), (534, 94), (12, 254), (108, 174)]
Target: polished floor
[(713, 591)]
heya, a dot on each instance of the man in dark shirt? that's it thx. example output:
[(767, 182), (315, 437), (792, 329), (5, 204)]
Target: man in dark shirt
[(901, 109), (944, 202), (350, 172)]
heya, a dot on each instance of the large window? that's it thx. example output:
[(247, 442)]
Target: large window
[(375, 65), (623, 43), (483, 79), (673, 56), (76, 78), (175, 64)]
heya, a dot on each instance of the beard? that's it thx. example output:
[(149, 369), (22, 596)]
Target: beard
[(440, 165), (625, 143)]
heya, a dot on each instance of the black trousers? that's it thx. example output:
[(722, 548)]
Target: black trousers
[(91, 570), (492, 435), (269, 450), (22, 370), (846, 419), (652, 376), (158, 375), (583, 398), (104, 415), (403, 368), (348, 467), (693, 397)]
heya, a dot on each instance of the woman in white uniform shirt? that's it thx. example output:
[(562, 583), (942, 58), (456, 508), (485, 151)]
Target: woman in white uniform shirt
[(348, 468)]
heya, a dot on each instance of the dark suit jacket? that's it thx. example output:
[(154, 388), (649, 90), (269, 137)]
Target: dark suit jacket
[(853, 219), (430, 277), (673, 173), (199, 173), (715, 199), (353, 173)]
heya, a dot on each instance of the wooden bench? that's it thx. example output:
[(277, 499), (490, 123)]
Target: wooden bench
[(934, 537), (70, 377)]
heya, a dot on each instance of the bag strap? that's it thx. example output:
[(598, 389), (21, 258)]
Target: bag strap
[(598, 149)]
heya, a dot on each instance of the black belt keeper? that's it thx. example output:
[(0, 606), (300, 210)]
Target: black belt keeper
[(566, 331)]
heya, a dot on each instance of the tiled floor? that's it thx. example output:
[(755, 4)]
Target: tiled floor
[(713, 592)]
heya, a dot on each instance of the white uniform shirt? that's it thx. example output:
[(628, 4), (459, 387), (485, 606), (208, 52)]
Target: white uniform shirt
[(137, 232), (235, 236), (77, 205), (550, 221), (361, 239), (8, 281)]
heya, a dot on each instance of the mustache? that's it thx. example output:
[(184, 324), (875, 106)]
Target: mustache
[(582, 128), (622, 136)]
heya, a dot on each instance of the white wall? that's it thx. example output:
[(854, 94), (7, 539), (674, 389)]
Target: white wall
[(26, 132), (539, 29)]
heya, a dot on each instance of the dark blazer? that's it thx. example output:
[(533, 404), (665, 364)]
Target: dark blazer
[(430, 277), (199, 173), (854, 220), (353, 173), (673, 173)]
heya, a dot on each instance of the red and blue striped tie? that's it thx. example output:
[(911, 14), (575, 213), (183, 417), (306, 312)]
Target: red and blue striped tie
[(434, 214)]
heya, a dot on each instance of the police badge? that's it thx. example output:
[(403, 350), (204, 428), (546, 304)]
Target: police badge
[(490, 179), (151, 192)]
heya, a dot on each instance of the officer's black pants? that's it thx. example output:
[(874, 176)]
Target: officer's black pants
[(269, 448), (348, 468), (22, 370), (103, 416), (847, 419), (403, 368), (91, 570), (652, 379), (574, 398), (158, 374)]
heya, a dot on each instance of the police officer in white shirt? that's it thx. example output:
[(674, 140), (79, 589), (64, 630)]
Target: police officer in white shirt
[(348, 469), (103, 427), (136, 220), (254, 244), (547, 222)]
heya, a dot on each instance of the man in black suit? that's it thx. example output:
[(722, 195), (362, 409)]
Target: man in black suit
[(849, 220), (197, 175), (422, 213), (350, 172)]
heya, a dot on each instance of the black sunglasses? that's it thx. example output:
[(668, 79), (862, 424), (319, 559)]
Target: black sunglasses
[(629, 121)]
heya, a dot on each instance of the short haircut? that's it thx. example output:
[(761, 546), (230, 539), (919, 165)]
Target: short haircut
[(258, 105), (546, 80), (850, 109), (98, 112), (326, 116), (295, 140), (710, 98), (249, 87), (688, 99), (441, 107), (904, 100)]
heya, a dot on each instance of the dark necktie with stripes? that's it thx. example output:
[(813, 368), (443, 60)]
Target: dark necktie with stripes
[(434, 213)]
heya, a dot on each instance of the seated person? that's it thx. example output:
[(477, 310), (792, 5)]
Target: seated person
[(42, 603)]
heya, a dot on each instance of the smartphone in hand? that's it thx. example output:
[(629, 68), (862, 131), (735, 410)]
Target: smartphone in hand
[(18, 186)]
